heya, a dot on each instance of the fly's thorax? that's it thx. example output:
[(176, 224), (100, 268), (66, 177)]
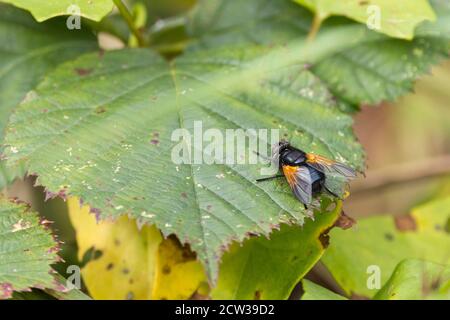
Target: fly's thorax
[(292, 157)]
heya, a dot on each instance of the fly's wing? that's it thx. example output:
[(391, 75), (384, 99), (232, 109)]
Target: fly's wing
[(299, 179), (330, 167)]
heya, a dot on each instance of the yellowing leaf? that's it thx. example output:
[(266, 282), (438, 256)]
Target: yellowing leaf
[(128, 263), (178, 274), (397, 18)]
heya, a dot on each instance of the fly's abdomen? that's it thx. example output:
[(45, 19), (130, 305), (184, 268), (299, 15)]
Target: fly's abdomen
[(317, 178)]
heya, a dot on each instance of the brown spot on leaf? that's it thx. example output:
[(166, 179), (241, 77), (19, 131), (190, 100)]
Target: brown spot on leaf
[(257, 295), (154, 142), (405, 223), (109, 266), (324, 239), (389, 236), (83, 71), (96, 212), (125, 271), (100, 109), (166, 269), (117, 242), (344, 221), (184, 195)]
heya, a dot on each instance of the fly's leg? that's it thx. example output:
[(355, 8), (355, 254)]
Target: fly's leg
[(270, 178), (262, 156)]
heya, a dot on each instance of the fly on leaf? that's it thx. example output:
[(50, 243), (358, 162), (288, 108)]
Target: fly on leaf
[(308, 174)]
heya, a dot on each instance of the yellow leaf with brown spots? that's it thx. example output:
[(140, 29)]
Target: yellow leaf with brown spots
[(125, 262), (178, 275), (126, 266)]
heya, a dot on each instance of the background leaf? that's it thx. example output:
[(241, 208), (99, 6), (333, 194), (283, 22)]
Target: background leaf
[(384, 242), (64, 293), (121, 261), (178, 275), (43, 10), (28, 51), (371, 69), (27, 250), (316, 292), (270, 268), (417, 280), (398, 18)]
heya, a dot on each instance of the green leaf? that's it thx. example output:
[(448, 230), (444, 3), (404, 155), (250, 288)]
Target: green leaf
[(316, 292), (270, 268), (8, 174), (398, 18), (105, 136), (371, 69), (28, 51), (43, 10), (417, 280), (384, 241), (27, 250)]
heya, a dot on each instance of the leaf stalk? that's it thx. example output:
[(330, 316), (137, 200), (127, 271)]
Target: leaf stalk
[(125, 13)]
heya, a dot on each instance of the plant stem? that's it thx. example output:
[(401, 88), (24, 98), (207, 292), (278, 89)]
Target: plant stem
[(125, 13), (315, 26), (403, 173)]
